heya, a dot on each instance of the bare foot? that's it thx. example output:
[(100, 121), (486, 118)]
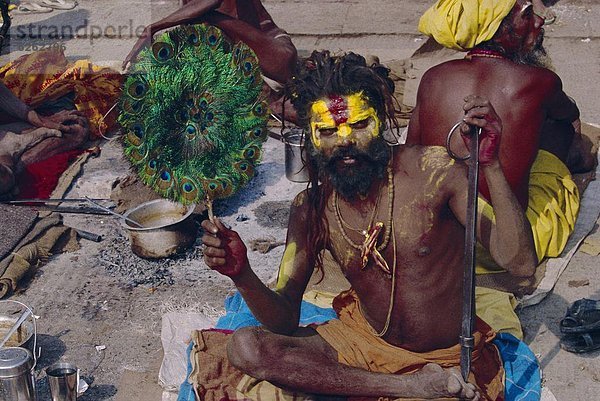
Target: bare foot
[(447, 383)]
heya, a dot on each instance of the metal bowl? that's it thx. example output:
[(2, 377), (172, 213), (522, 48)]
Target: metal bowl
[(167, 228), (23, 337)]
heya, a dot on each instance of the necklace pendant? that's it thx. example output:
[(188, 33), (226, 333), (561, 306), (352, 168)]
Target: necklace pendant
[(369, 246)]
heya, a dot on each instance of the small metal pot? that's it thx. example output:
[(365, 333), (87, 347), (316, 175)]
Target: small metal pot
[(167, 228), (16, 374), (295, 156)]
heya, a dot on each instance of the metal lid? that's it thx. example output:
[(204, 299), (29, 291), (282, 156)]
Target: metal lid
[(14, 361)]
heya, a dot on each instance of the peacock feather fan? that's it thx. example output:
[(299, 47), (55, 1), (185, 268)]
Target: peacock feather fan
[(193, 115)]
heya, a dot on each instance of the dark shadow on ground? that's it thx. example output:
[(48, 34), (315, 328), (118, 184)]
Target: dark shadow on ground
[(53, 348)]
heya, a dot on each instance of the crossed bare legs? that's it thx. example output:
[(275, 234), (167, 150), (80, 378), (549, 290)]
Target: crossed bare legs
[(306, 363)]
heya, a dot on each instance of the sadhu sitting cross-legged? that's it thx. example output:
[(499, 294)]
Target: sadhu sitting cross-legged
[(393, 218)]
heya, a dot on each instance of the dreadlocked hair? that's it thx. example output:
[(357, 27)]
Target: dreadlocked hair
[(318, 76)]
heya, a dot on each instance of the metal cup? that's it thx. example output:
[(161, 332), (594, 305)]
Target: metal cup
[(63, 378), (295, 156)]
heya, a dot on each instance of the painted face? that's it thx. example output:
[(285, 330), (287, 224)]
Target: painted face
[(337, 119)]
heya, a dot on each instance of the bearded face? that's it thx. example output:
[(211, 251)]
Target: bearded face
[(535, 56), (525, 36), (346, 143)]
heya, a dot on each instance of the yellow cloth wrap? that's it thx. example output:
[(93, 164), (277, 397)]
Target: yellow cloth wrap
[(463, 24), (497, 308), (552, 210), (47, 75), (553, 205)]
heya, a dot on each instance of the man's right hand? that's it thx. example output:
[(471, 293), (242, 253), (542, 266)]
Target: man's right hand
[(224, 250), (479, 112), (144, 40)]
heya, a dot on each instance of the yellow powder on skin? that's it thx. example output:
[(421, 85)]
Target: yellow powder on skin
[(287, 265), (300, 199)]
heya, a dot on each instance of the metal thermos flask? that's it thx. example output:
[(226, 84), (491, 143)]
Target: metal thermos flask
[(16, 375)]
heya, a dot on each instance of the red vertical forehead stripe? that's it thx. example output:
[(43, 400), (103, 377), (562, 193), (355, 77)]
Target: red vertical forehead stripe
[(338, 107)]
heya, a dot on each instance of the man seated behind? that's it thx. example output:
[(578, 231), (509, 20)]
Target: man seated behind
[(27, 136), (506, 63), (393, 218)]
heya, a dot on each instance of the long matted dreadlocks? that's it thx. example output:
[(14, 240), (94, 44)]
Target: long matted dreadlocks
[(321, 75)]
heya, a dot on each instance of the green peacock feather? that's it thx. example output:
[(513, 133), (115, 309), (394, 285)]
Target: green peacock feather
[(193, 114)]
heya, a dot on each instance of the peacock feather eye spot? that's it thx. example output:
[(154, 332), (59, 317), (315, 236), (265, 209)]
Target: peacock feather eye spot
[(259, 109), (152, 164), (203, 104), (190, 130), (137, 89), (213, 186), (193, 39), (163, 54), (140, 89), (165, 175), (212, 39), (248, 66), (162, 51), (138, 130), (188, 187), (189, 102), (209, 116)]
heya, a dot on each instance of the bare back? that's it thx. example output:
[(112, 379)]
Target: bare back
[(523, 96)]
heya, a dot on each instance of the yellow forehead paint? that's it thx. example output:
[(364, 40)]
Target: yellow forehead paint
[(287, 265), (321, 117), (340, 112)]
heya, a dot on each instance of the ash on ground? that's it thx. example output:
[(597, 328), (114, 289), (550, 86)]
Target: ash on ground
[(119, 261)]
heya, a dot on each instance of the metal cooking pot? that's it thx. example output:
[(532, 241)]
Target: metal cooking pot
[(18, 358), (167, 228)]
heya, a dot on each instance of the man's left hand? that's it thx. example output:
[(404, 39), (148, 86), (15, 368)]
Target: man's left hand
[(62, 121), (480, 113)]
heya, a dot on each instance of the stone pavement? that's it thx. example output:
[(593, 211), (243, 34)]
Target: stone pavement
[(128, 321)]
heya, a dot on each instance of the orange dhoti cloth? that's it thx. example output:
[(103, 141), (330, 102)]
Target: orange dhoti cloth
[(352, 337)]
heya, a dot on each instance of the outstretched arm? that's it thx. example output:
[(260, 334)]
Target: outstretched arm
[(276, 53), (188, 13), (508, 237), (278, 310)]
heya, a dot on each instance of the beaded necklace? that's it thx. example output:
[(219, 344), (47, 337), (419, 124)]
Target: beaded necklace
[(484, 53), (369, 248)]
